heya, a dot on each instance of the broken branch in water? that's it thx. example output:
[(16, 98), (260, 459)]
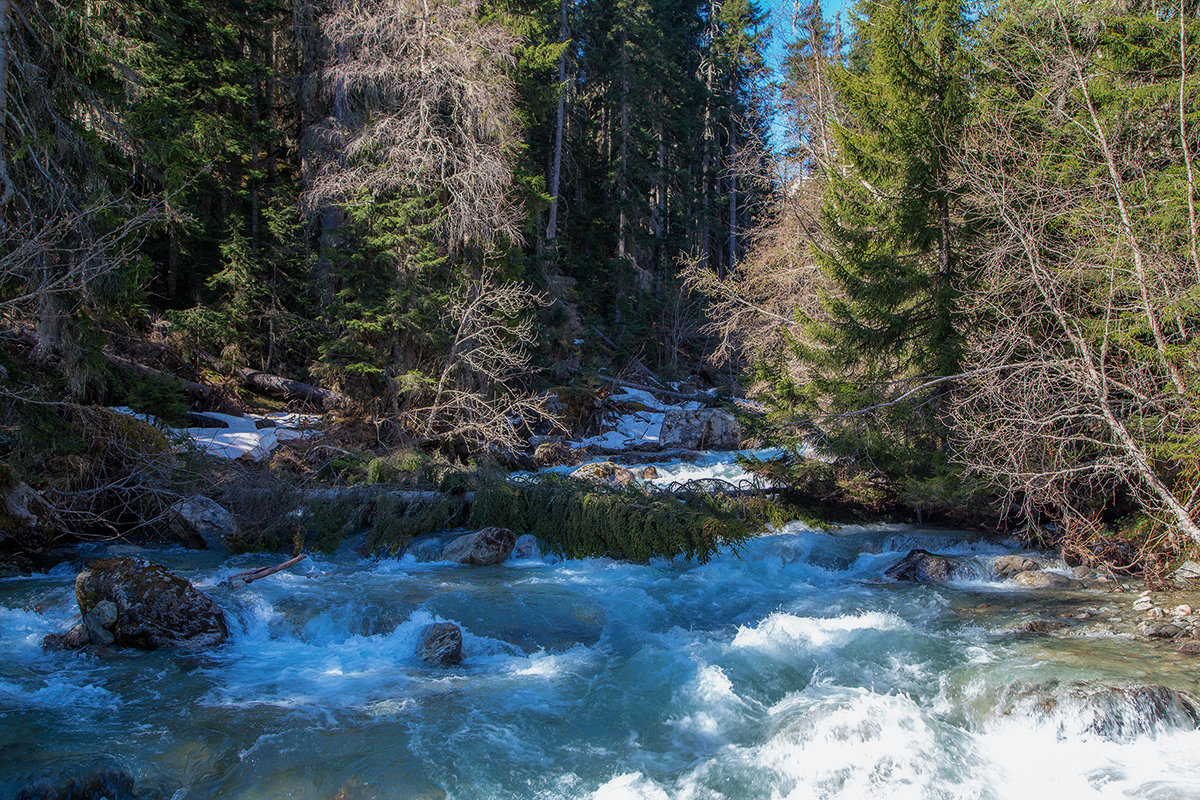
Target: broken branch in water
[(242, 578)]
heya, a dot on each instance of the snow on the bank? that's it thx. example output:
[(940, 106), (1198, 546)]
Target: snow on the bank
[(635, 428), (243, 438)]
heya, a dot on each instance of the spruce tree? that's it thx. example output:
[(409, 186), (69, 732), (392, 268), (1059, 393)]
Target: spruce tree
[(891, 319)]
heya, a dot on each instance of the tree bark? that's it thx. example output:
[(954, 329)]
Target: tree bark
[(556, 169)]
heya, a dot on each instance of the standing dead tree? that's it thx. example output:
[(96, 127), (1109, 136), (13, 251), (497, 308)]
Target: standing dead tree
[(1083, 380), (426, 103)]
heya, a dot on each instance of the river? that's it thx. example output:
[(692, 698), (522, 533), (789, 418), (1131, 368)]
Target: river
[(786, 670)]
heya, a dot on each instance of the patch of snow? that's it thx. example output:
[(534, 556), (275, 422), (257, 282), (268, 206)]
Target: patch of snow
[(243, 438)]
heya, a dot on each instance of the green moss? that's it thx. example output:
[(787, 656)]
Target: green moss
[(397, 467), (580, 520), (396, 523)]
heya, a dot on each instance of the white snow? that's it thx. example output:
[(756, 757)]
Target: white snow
[(242, 439)]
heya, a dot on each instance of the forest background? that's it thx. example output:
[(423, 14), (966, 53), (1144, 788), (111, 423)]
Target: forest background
[(954, 247)]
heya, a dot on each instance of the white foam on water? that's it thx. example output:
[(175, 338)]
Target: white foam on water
[(785, 631)]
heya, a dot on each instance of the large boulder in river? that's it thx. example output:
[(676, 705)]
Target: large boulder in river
[(1008, 566), (202, 523), (705, 429), (482, 548), (921, 566), (144, 605), (440, 643), (605, 473)]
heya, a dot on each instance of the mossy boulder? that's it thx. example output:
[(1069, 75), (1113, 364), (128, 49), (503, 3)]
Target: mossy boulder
[(154, 607), (484, 547), (557, 454)]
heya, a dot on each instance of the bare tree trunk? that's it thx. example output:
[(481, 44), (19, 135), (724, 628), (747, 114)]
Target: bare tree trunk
[(556, 169), (8, 189), (733, 242), (623, 225)]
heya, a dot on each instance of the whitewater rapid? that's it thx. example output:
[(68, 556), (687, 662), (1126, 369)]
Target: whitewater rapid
[(788, 669)]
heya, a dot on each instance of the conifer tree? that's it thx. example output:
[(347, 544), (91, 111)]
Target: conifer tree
[(892, 319)]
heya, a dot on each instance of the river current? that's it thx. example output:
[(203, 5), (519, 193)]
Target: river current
[(788, 669)]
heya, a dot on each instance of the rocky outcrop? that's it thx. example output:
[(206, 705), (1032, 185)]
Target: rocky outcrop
[(202, 523), (128, 602), (921, 566), (108, 784), (441, 644), (605, 473), (1037, 579), (1008, 566), (482, 548), (706, 429)]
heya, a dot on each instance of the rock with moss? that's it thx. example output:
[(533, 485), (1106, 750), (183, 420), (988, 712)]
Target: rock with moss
[(202, 523), (704, 429), (146, 606), (605, 473), (482, 548)]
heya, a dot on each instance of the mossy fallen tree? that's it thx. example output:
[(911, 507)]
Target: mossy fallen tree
[(581, 520)]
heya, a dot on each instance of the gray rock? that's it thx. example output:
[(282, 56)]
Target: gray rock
[(649, 473), (529, 546), (1044, 580), (100, 621), (605, 473), (923, 567), (440, 643), (154, 607), (1044, 625), (1190, 648), (1008, 566), (426, 548), (705, 429), (1188, 572), (1161, 631), (74, 639), (202, 523), (482, 548)]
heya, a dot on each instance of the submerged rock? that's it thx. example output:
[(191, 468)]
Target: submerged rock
[(1008, 566), (427, 548), (440, 643), (106, 784), (482, 548), (202, 523), (923, 567), (1037, 579), (705, 429), (529, 546), (144, 605), (74, 639), (605, 473)]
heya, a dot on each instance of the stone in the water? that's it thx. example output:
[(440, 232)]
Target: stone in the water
[(202, 523), (100, 785), (706, 429), (1044, 580), (1143, 604), (1007, 566), (154, 607), (1190, 648), (99, 622), (649, 473), (529, 546), (1181, 610), (74, 639), (426, 548), (1044, 625), (482, 548), (923, 567), (605, 473), (441, 643), (1161, 631)]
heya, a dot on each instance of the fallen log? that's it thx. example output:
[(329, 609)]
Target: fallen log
[(199, 393), (288, 389), (692, 397)]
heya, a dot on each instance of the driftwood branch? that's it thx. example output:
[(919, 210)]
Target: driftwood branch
[(288, 389), (249, 576)]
